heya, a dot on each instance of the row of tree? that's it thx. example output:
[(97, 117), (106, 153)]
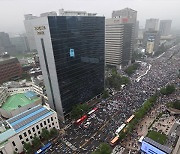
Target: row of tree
[(132, 68), (139, 115), (36, 142), (169, 89)]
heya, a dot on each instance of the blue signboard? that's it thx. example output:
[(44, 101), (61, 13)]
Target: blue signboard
[(72, 54), (150, 149)]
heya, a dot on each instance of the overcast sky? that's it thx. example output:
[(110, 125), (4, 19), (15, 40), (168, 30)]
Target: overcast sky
[(12, 11)]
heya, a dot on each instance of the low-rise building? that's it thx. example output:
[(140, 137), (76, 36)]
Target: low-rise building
[(23, 127), (10, 68), (16, 100)]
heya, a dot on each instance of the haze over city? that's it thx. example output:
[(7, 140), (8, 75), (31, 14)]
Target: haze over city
[(89, 77), (12, 11)]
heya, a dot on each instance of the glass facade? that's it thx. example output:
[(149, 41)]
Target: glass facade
[(78, 48), (127, 43)]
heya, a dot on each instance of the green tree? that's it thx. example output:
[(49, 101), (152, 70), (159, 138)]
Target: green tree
[(105, 94), (36, 142), (169, 89), (45, 134), (79, 110), (103, 148), (27, 147), (131, 69), (53, 132)]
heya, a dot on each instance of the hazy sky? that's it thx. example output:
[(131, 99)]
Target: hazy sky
[(12, 11)]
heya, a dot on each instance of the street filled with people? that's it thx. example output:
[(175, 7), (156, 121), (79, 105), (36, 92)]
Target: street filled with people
[(100, 125)]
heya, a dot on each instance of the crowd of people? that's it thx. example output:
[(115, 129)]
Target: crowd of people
[(114, 111)]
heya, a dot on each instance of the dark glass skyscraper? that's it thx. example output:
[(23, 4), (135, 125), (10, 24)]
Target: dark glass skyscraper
[(71, 50)]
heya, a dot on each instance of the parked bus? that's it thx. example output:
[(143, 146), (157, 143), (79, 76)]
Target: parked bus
[(43, 149), (92, 111), (114, 141), (79, 121), (130, 118), (120, 129)]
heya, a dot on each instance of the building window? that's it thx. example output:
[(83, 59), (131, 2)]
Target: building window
[(33, 129), (41, 124), (35, 134), (48, 121), (30, 137), (39, 132), (51, 118), (25, 134), (53, 123), (37, 126), (16, 149), (13, 143), (44, 122), (29, 131), (27, 140), (1, 152), (46, 127), (49, 126), (22, 142), (20, 137)]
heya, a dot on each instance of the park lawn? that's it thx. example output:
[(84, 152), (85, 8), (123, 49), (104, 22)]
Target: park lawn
[(158, 137)]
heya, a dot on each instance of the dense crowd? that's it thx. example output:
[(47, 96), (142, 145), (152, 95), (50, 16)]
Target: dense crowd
[(117, 109)]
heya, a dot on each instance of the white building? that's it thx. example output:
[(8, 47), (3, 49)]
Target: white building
[(30, 30), (23, 127)]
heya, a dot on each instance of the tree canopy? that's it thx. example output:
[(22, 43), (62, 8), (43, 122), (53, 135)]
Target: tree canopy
[(131, 69), (175, 105), (103, 148), (169, 89), (45, 134), (115, 81), (79, 110)]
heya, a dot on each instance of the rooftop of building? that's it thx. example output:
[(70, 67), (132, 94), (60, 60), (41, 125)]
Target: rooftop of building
[(126, 9), (157, 145), (24, 120), (62, 12), (4, 58), (29, 117), (19, 100)]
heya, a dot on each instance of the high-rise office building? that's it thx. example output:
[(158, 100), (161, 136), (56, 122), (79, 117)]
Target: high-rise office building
[(151, 24), (165, 27), (29, 28), (120, 37), (71, 52)]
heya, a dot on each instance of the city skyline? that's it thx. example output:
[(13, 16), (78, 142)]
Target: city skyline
[(168, 10)]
